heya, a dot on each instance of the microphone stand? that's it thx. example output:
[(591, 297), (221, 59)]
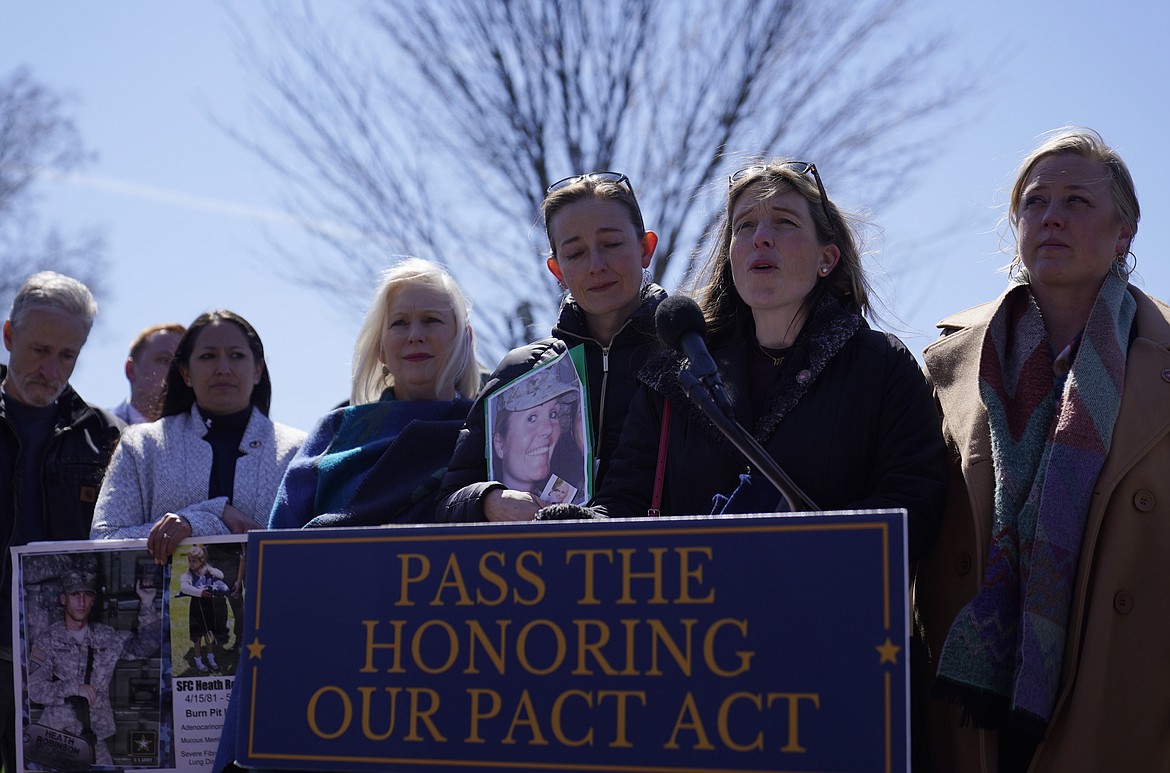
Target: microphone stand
[(755, 453)]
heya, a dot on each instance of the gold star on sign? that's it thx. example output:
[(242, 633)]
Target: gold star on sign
[(255, 648), (888, 651)]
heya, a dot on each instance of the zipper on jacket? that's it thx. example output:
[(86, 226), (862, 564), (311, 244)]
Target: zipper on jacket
[(601, 408), (604, 387)]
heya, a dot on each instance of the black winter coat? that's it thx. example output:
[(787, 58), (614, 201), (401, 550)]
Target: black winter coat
[(74, 462), (849, 417), (610, 372)]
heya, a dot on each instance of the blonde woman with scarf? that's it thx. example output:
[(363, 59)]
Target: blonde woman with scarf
[(1045, 605)]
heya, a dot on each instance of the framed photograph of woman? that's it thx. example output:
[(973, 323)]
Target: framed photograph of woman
[(539, 438)]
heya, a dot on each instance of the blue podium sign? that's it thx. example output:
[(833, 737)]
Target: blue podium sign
[(753, 643)]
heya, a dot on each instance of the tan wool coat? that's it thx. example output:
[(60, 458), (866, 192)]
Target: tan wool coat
[(1113, 709)]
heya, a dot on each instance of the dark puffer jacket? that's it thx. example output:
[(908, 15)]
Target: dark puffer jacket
[(73, 464), (611, 374), (848, 416)]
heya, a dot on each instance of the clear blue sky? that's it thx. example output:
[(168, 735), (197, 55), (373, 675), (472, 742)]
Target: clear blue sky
[(182, 205)]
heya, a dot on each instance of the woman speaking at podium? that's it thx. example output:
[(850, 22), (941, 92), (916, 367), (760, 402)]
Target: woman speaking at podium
[(841, 407)]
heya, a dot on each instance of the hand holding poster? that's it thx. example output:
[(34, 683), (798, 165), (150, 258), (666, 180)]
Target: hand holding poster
[(539, 437)]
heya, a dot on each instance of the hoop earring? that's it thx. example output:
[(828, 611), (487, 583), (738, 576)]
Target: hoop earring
[(1121, 267), (1130, 267)]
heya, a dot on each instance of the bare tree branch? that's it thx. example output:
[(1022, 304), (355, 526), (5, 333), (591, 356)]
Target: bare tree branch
[(36, 135), (445, 142)]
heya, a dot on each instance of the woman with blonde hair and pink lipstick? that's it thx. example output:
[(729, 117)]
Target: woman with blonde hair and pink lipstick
[(380, 459)]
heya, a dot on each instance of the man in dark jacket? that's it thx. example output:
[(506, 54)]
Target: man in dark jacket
[(54, 447)]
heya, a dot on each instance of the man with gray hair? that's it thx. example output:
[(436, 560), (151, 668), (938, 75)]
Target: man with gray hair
[(54, 447)]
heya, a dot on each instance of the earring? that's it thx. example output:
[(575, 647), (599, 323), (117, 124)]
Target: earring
[(385, 370), (1130, 265), (824, 270), (1121, 267)]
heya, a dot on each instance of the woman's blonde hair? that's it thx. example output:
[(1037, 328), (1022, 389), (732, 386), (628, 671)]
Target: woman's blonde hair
[(1086, 143), (370, 380)]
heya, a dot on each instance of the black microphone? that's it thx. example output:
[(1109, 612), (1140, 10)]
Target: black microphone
[(682, 328)]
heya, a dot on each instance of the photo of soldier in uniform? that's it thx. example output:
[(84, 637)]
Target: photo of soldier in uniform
[(538, 438), (92, 634)]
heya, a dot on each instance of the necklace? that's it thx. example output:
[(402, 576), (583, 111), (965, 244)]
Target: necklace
[(775, 355)]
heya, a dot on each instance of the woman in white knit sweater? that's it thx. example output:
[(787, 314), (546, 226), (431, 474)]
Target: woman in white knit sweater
[(212, 464)]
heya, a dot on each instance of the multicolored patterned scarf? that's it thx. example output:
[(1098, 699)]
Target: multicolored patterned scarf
[(1003, 654)]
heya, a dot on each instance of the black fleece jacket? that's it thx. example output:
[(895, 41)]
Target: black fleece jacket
[(610, 371)]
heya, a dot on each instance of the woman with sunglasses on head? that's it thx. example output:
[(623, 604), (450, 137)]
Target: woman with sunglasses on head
[(600, 249), (843, 409), (213, 462)]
